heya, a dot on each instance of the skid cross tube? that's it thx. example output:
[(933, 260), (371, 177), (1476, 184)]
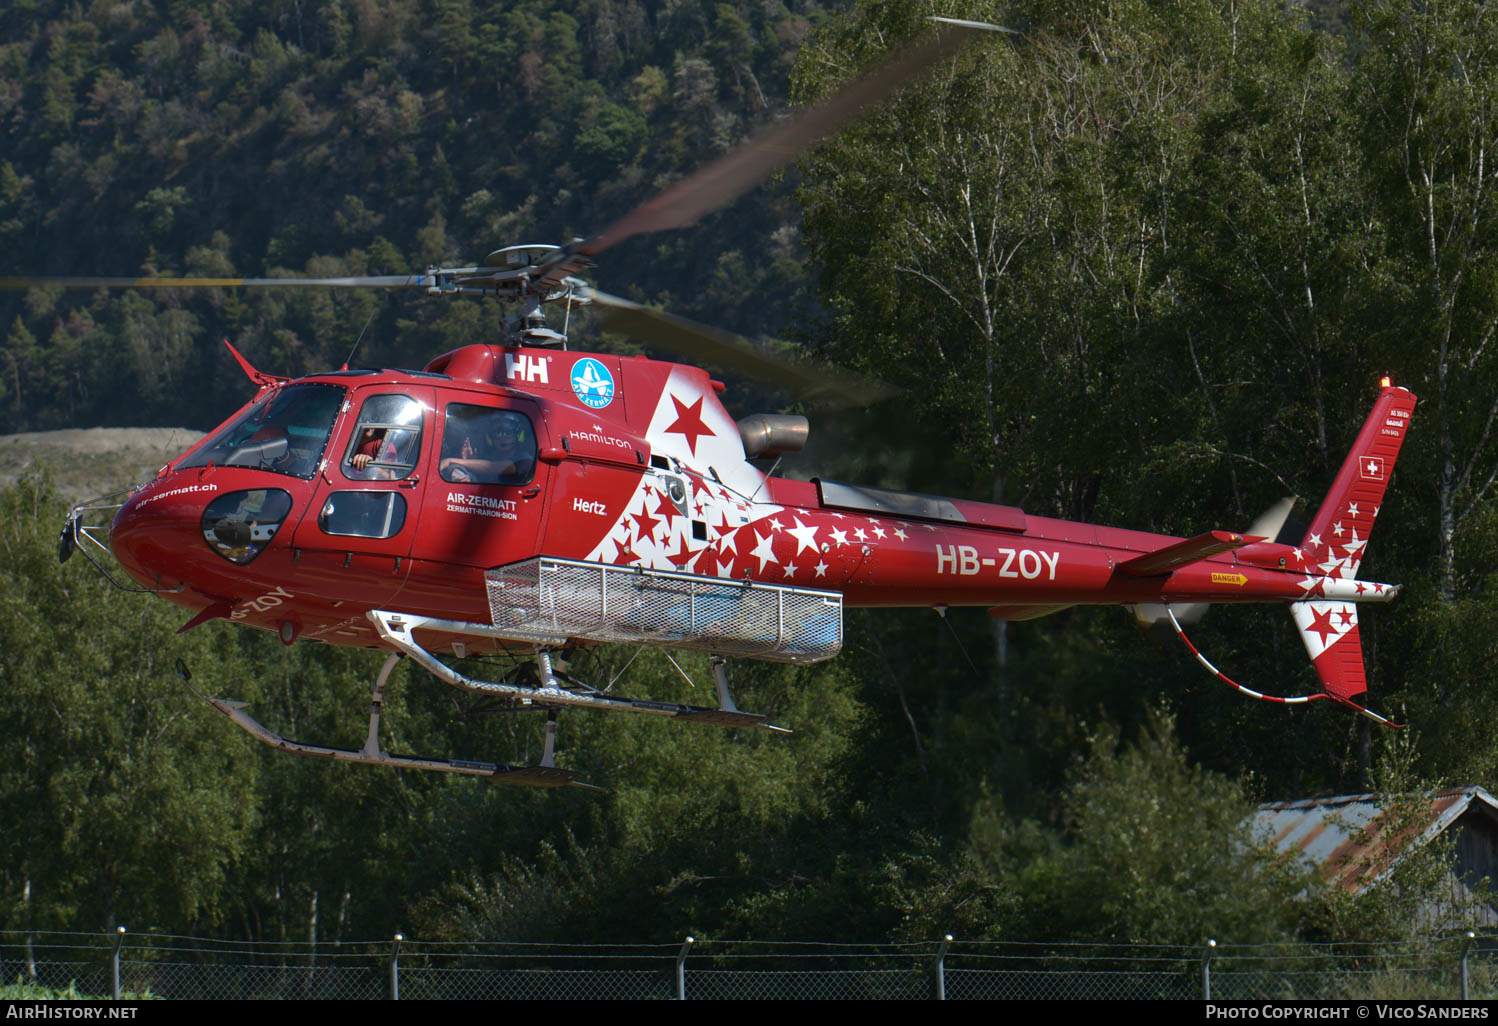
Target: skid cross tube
[(398, 630)]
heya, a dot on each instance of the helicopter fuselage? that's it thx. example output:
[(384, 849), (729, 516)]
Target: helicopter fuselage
[(495, 455)]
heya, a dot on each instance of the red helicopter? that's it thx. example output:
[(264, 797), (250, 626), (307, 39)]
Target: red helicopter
[(525, 497)]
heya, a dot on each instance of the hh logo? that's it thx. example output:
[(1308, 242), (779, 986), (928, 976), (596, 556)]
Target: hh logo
[(1373, 468), (525, 367)]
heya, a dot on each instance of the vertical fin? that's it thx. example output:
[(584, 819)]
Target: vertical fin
[(1330, 633), (1338, 535), (1337, 540)]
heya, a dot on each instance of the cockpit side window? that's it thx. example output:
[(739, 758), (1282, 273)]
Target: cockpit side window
[(386, 443), (285, 433), (483, 445)]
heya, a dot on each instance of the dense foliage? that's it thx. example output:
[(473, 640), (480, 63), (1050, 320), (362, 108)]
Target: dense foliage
[(374, 136), (1141, 264)]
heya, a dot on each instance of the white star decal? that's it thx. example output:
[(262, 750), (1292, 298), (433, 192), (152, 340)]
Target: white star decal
[(841, 537), (821, 569), (1352, 509), (765, 550), (775, 525), (1337, 529), (806, 537), (790, 570), (858, 533), (1352, 547), (1315, 541), (879, 532), (900, 534)]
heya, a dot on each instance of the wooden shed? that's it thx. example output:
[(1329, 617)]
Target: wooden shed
[(1354, 841)]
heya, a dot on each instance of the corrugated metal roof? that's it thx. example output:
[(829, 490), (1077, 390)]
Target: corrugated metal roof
[(1355, 840)]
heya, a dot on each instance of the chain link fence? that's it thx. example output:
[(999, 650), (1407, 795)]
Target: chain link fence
[(172, 966)]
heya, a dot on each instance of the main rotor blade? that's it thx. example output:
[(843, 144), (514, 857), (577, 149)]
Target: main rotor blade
[(730, 176), (387, 281), (819, 383)]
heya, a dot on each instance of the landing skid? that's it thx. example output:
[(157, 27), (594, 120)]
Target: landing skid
[(555, 687), (545, 774)]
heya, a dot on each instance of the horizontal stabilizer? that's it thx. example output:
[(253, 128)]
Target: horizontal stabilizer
[(1189, 550)]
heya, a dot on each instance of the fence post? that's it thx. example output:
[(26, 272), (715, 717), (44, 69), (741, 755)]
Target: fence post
[(395, 973), (1466, 948), (1207, 970), (941, 967), (681, 967), (114, 963)]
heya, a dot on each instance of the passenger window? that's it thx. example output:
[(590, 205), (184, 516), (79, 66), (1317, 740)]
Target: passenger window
[(481, 445), (363, 514), (387, 440)]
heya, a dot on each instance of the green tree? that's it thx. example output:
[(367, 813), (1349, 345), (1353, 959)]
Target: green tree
[(1155, 850), (123, 805), (1429, 86)]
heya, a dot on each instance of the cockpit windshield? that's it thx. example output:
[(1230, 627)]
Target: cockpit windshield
[(284, 433)]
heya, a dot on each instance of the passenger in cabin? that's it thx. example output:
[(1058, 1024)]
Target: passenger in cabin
[(374, 447), (487, 447)]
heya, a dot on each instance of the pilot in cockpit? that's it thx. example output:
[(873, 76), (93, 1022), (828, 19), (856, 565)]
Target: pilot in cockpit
[(494, 448)]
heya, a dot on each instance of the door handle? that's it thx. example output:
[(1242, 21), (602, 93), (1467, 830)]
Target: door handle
[(412, 481), (531, 492)]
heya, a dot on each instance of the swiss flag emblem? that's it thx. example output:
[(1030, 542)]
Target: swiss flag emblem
[(1373, 468)]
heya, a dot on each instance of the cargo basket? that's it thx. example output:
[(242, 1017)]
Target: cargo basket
[(543, 599)]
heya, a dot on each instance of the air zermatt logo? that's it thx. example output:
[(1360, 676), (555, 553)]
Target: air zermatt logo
[(1373, 468), (592, 383)]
